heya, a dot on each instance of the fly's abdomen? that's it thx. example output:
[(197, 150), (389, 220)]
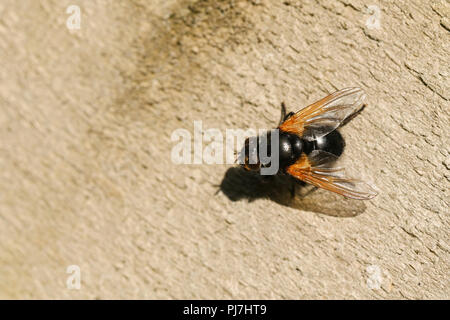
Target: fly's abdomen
[(332, 143)]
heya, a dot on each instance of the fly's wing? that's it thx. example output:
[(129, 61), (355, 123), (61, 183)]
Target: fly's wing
[(311, 198), (323, 116), (317, 169)]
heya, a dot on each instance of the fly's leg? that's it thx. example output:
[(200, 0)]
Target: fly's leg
[(351, 117), (284, 116), (310, 191)]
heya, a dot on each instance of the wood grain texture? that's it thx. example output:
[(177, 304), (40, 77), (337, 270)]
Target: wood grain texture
[(86, 118)]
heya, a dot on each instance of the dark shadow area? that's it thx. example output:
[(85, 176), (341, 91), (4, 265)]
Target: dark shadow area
[(239, 184)]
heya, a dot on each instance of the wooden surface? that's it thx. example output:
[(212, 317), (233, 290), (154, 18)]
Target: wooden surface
[(86, 176)]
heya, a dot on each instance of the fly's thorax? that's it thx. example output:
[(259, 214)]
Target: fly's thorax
[(290, 148)]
